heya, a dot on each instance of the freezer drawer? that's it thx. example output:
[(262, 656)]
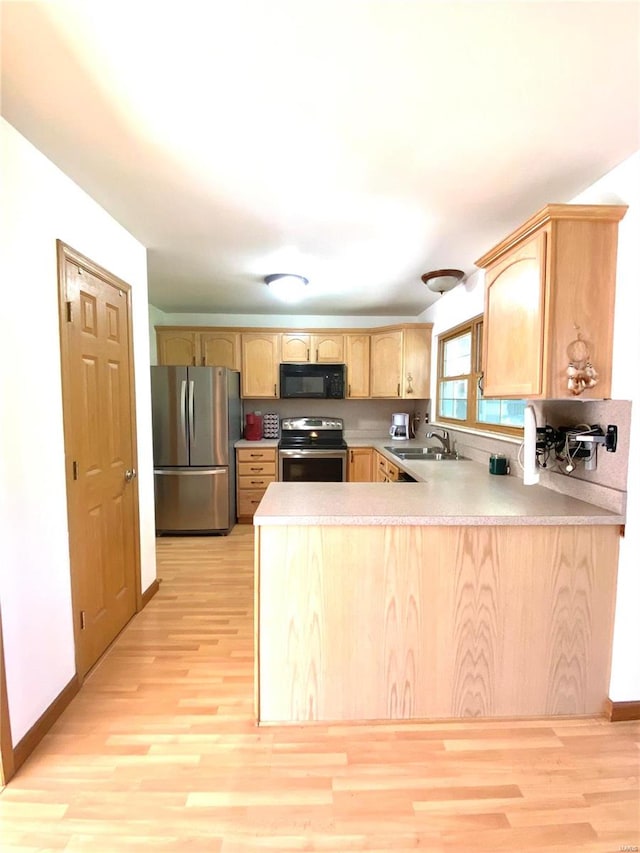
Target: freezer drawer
[(193, 500)]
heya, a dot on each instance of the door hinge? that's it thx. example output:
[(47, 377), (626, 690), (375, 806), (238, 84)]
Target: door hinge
[(68, 307), (83, 620), (76, 470)]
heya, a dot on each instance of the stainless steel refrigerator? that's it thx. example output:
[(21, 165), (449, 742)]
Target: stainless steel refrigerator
[(196, 421)]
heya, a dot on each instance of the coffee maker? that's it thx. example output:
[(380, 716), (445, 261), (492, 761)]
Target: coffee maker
[(399, 429)]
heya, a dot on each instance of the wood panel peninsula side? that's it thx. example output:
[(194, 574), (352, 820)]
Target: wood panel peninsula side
[(369, 606)]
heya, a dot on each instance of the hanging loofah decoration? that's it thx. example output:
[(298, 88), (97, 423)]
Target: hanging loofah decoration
[(581, 373)]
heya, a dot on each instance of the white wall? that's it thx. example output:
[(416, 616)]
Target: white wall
[(156, 318), (621, 185), (39, 205), (288, 321)]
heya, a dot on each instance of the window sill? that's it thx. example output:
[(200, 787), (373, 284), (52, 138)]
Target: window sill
[(501, 436)]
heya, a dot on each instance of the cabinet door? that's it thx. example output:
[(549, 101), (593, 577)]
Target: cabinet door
[(386, 364), (379, 468), (177, 347), (256, 454), (296, 347), (327, 349), (358, 363), (393, 472), (360, 465), (416, 368), (260, 365), (514, 322), (221, 349)]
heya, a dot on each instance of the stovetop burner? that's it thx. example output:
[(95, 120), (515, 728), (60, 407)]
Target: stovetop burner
[(312, 432)]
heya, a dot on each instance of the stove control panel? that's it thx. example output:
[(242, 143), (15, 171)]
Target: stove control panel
[(311, 423)]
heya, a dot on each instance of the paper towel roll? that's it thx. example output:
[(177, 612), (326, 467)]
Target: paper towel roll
[(531, 475)]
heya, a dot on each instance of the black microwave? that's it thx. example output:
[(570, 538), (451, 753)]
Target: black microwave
[(322, 381)]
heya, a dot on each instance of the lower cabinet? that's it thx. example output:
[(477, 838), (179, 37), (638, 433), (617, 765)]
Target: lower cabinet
[(256, 468), (360, 465), (385, 471)]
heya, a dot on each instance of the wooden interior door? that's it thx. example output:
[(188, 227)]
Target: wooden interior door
[(99, 428), (6, 746)]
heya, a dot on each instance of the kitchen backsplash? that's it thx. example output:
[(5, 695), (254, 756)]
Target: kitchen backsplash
[(362, 418), (605, 487)]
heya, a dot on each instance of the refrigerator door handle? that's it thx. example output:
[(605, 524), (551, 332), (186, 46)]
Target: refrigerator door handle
[(191, 472), (192, 412), (183, 408)]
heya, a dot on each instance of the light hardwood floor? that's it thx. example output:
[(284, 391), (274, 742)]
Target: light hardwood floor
[(159, 751)]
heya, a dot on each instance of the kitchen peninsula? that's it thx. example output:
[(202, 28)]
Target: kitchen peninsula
[(461, 595)]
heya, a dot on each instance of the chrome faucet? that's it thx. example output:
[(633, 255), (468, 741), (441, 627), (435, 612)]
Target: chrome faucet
[(443, 439)]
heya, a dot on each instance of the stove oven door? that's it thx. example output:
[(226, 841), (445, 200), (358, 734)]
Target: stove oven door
[(313, 466)]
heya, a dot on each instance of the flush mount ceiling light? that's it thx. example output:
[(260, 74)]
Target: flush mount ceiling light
[(287, 286), (441, 281)]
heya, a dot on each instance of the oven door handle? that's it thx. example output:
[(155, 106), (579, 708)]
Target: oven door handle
[(339, 453)]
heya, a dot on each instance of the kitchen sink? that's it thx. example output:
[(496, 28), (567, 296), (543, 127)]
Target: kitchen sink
[(432, 454)]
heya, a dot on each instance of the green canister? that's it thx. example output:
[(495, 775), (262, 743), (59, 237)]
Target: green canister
[(498, 464)]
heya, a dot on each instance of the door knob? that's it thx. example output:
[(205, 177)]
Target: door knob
[(129, 474)]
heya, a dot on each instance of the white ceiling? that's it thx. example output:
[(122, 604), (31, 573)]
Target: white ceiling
[(360, 143)]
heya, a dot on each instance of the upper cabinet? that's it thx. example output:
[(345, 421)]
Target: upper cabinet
[(260, 365), (401, 362), (295, 347), (416, 362), (219, 348), (386, 363), (177, 346), (307, 347), (328, 349), (357, 359), (389, 362), (549, 303)]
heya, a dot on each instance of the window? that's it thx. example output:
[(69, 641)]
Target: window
[(460, 399)]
